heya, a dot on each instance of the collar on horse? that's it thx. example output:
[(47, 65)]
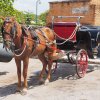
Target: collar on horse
[(20, 51), (23, 44)]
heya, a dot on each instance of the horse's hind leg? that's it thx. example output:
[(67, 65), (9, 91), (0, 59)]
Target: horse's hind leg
[(25, 68), (18, 64), (44, 62), (50, 62)]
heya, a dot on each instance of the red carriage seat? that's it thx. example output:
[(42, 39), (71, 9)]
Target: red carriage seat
[(65, 30)]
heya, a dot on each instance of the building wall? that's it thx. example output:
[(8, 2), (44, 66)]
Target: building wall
[(97, 12), (96, 2), (86, 8), (97, 15)]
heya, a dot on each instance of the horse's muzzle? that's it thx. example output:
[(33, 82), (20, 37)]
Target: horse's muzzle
[(9, 45)]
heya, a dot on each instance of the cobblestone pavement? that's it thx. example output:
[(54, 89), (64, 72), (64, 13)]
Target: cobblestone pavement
[(64, 83)]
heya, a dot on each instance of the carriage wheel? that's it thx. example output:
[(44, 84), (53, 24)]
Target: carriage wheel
[(54, 67), (81, 63)]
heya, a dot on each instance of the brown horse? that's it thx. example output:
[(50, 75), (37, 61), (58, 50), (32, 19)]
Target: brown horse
[(26, 43)]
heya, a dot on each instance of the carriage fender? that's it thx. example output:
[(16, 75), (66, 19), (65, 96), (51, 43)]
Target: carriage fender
[(98, 37), (84, 42)]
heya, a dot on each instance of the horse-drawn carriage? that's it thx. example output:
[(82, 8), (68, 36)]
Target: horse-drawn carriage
[(27, 42), (72, 51)]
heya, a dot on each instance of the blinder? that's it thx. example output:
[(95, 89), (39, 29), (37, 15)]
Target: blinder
[(2, 31), (13, 31)]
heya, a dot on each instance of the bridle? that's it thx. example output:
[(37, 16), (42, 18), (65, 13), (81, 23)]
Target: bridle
[(11, 33), (12, 30)]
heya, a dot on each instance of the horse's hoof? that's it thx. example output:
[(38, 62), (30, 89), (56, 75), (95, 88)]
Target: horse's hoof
[(46, 82), (24, 91), (41, 81), (18, 90)]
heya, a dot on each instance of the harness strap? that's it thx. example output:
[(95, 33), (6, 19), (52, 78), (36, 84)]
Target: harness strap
[(44, 35), (13, 31), (34, 34), (48, 41), (24, 30)]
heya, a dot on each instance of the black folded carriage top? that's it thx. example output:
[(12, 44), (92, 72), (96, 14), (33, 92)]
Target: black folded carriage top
[(5, 56)]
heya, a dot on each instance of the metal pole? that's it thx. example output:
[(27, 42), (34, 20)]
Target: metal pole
[(37, 10)]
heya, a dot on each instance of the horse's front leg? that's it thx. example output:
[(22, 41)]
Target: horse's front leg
[(18, 64), (25, 68)]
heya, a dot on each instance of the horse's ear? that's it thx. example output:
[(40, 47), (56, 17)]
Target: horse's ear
[(1, 17)]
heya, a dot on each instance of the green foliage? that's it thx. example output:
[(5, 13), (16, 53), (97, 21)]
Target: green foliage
[(6, 9), (28, 18), (42, 17)]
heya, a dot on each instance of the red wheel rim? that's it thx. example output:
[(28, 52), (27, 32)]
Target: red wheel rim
[(81, 63)]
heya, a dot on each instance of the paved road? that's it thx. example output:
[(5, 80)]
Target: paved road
[(64, 84)]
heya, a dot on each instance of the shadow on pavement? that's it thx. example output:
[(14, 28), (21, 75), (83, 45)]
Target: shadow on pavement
[(63, 71), (8, 90), (3, 73)]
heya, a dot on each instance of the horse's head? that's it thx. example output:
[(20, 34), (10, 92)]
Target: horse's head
[(8, 32)]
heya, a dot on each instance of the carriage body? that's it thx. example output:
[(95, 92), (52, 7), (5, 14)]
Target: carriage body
[(72, 36), (66, 40), (64, 30)]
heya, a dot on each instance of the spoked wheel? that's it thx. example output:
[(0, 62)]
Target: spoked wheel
[(81, 63), (54, 67)]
